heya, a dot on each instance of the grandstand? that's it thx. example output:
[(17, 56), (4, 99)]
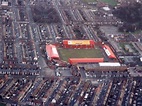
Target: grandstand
[(109, 52), (78, 44), (52, 52), (85, 60)]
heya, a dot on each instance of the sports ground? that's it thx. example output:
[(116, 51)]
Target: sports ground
[(65, 54)]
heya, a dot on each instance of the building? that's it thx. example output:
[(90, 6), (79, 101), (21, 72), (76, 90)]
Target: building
[(85, 60), (109, 64), (51, 51), (109, 52), (141, 59), (78, 44), (4, 3), (107, 68)]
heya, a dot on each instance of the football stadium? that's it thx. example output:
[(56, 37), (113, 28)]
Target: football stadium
[(79, 51)]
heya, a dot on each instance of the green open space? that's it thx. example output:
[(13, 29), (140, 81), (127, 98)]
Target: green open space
[(122, 44), (2, 104), (65, 54), (89, 0), (110, 2)]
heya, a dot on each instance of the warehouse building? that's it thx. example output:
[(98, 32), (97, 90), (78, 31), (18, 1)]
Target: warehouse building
[(109, 64)]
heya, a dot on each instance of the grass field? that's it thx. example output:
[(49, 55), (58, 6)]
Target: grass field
[(110, 2), (2, 104), (125, 43), (65, 54), (89, 0)]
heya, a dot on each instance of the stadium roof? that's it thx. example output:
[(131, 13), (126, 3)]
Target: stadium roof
[(85, 60), (52, 51), (78, 42), (109, 52)]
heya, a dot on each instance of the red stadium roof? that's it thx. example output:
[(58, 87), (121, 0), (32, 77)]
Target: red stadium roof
[(85, 60), (52, 51), (109, 52)]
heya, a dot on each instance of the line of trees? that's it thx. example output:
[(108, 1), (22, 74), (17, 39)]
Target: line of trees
[(131, 16), (45, 15)]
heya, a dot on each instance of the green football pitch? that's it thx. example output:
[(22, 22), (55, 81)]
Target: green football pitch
[(65, 54)]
